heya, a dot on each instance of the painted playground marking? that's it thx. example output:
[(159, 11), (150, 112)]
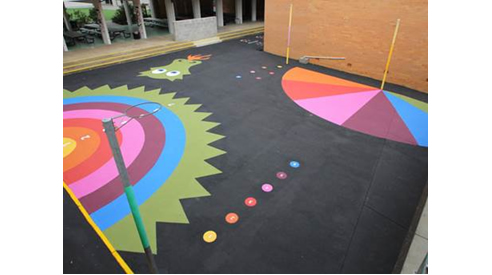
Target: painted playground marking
[(161, 149), (281, 175), (177, 69), (358, 107), (250, 202), (294, 164), (267, 187), (210, 236), (232, 218)]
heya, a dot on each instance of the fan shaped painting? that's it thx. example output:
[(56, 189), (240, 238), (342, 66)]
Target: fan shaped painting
[(359, 107)]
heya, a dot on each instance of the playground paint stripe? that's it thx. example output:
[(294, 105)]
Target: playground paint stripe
[(415, 119), (305, 75), (298, 90), (337, 108), (417, 103), (98, 231), (374, 118)]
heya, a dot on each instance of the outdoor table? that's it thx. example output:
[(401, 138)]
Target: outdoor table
[(115, 31), (74, 36)]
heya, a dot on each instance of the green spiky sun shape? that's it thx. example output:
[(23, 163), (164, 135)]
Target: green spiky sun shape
[(164, 205), (177, 69)]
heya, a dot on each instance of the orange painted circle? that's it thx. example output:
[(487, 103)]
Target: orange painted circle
[(232, 218)]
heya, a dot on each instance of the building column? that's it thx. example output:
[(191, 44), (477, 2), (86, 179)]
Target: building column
[(127, 15), (102, 22), (253, 10), (171, 16), (65, 18), (196, 9), (65, 48), (152, 9), (140, 22), (239, 11), (114, 2), (219, 11)]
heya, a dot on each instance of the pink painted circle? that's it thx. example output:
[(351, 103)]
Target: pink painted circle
[(267, 187), (250, 202), (282, 175)]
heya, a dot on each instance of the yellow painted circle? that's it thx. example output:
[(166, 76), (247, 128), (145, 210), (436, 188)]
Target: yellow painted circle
[(68, 146), (210, 236)]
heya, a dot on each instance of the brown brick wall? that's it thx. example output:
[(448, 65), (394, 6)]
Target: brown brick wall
[(360, 30)]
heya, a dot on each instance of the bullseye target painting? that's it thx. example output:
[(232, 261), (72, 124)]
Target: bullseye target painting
[(165, 155)]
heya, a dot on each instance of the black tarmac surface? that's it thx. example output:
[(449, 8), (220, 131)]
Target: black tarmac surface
[(347, 209)]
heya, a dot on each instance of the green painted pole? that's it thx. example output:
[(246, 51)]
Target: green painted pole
[(130, 195)]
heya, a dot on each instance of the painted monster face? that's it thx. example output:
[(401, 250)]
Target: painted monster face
[(175, 70)]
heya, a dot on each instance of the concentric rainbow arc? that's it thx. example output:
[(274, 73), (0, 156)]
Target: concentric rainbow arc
[(164, 154)]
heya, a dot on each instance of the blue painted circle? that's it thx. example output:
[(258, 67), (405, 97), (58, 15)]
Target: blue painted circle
[(238, 76), (294, 164)]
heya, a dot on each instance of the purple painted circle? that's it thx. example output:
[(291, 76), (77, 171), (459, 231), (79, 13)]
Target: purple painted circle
[(267, 187), (252, 72), (282, 175)]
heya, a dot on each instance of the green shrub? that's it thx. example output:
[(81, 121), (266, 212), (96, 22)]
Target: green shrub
[(120, 17), (81, 17), (93, 15)]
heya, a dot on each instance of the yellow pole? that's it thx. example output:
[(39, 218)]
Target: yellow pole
[(288, 36), (390, 53)]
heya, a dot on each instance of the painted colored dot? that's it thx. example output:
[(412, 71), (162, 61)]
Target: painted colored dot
[(250, 202), (232, 218), (279, 66), (210, 236), (272, 73), (263, 67), (252, 72), (238, 76), (282, 175), (294, 164), (258, 78), (267, 187)]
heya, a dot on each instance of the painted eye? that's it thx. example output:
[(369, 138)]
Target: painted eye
[(159, 71), (173, 73)]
